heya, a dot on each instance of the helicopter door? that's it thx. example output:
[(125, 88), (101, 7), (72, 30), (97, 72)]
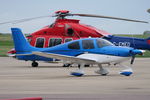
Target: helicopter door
[(40, 42), (54, 41)]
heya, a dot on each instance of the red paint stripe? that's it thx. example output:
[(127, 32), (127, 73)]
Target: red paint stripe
[(33, 98)]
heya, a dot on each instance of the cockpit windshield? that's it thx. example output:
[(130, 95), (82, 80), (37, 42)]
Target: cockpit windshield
[(102, 43)]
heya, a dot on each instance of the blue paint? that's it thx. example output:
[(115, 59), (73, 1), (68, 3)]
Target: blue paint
[(76, 74), (126, 73), (136, 43), (23, 47), (34, 58)]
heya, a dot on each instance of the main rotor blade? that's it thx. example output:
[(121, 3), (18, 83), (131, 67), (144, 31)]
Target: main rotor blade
[(109, 17), (24, 20)]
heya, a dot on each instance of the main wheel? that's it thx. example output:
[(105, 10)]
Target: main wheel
[(66, 65), (34, 64), (86, 65)]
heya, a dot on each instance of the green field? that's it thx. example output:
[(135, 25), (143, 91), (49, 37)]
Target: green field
[(6, 43)]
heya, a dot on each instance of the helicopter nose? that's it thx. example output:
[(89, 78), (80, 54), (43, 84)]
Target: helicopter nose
[(135, 51)]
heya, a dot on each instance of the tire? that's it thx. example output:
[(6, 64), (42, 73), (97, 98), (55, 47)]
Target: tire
[(86, 65), (34, 64), (66, 65)]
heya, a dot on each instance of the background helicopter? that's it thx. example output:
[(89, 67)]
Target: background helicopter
[(64, 30)]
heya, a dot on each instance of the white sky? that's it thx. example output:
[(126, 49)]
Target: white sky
[(132, 9)]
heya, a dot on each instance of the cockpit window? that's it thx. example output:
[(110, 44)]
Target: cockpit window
[(74, 45), (102, 43), (87, 44)]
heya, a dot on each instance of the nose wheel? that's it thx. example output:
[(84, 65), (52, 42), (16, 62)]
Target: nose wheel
[(34, 64)]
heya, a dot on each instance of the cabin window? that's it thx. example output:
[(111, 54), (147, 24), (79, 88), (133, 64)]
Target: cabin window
[(87, 44), (74, 45), (68, 39), (54, 41), (40, 42), (102, 43), (70, 32)]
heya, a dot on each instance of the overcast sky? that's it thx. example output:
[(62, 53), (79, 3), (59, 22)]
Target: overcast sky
[(132, 9)]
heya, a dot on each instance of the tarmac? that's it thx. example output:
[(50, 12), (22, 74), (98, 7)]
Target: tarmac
[(53, 82)]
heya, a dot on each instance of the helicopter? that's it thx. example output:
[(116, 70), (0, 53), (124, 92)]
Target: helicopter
[(64, 30)]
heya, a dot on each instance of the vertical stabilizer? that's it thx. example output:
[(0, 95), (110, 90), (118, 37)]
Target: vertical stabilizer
[(20, 42)]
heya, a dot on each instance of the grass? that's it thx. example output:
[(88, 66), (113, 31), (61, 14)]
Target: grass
[(6, 43), (135, 35)]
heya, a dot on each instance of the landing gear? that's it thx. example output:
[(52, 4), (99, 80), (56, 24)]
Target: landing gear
[(66, 65), (34, 64), (86, 65), (127, 71), (78, 72), (102, 71), (69, 65)]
